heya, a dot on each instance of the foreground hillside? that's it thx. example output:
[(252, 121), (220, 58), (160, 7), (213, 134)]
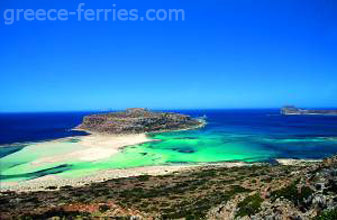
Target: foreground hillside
[(305, 191)]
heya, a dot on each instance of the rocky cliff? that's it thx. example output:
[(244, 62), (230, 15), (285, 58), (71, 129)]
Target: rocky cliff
[(137, 120)]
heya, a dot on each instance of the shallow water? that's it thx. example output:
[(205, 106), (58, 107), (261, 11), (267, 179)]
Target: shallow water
[(230, 135)]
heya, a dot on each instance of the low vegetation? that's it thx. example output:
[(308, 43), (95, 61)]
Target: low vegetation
[(208, 192), (249, 206)]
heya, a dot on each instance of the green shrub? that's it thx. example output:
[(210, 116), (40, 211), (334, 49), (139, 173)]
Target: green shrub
[(249, 206), (143, 178), (328, 215), (292, 193), (104, 208)]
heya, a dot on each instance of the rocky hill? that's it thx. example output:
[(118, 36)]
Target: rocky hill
[(137, 120), (301, 191)]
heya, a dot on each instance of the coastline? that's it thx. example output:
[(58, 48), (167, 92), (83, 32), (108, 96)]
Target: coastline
[(97, 146), (297, 162), (53, 182), (202, 121), (93, 147), (90, 148), (101, 146), (43, 183)]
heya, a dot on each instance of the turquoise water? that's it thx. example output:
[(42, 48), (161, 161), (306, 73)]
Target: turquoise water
[(250, 136)]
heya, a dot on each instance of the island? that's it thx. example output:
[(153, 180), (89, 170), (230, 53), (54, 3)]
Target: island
[(292, 110), (137, 121)]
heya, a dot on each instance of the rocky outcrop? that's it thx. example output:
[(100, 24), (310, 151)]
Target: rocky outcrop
[(309, 193), (138, 120)]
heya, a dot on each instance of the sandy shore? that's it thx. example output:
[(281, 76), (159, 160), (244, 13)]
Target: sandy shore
[(42, 183), (296, 162), (94, 147), (89, 148), (51, 180), (97, 147), (100, 146)]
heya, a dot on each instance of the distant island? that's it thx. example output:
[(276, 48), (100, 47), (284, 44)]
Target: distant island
[(138, 120), (292, 110)]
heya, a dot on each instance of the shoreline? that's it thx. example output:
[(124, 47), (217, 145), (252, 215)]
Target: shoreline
[(91, 148), (97, 146), (43, 183), (53, 182), (296, 162)]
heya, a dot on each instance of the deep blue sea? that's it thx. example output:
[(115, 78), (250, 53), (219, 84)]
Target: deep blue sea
[(285, 136), (28, 127)]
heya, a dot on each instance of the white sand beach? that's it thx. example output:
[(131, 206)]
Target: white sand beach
[(96, 147), (296, 162)]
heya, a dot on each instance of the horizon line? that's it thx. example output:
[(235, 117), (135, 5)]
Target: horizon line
[(159, 109)]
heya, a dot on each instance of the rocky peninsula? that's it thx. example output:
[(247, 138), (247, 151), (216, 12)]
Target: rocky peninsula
[(136, 121)]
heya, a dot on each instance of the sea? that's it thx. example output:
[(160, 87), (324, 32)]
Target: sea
[(250, 135)]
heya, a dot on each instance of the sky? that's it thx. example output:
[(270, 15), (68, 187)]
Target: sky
[(225, 54)]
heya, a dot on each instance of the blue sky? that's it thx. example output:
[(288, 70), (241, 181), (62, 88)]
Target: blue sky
[(226, 54)]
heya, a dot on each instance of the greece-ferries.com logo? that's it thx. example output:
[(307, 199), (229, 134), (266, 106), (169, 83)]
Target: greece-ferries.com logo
[(81, 13)]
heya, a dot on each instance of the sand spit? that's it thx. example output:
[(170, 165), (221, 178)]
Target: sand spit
[(93, 147), (103, 146)]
